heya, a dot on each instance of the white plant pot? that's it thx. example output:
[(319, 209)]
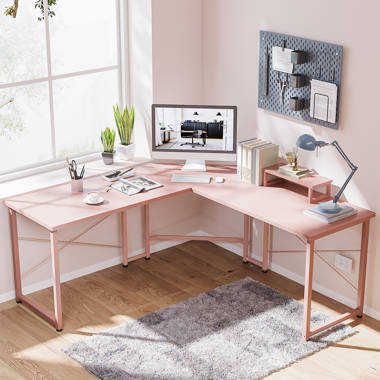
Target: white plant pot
[(125, 152)]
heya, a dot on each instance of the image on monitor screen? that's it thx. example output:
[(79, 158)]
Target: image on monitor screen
[(194, 128)]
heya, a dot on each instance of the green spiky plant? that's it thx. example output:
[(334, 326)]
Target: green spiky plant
[(124, 122), (108, 139)]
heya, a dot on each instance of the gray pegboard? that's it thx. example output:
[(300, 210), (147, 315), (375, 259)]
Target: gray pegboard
[(324, 62)]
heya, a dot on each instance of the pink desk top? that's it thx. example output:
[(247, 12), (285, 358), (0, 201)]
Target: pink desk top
[(56, 207)]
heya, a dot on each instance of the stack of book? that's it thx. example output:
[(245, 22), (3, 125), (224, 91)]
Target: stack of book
[(299, 173), (252, 156), (345, 212)]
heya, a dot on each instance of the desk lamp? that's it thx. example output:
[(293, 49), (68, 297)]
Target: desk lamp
[(308, 142)]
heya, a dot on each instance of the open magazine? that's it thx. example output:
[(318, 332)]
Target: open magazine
[(135, 185)]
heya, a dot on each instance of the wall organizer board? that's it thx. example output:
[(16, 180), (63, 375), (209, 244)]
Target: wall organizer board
[(300, 78)]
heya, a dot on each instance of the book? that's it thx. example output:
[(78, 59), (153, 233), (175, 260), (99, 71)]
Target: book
[(300, 173), (298, 176), (246, 159), (289, 168), (135, 185), (239, 158), (330, 218), (344, 209), (254, 159), (250, 163), (249, 156), (265, 155)]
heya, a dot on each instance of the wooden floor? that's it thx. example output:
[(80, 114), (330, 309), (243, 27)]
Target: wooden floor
[(30, 348)]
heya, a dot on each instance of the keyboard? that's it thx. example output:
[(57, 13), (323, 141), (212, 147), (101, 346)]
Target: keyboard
[(191, 178)]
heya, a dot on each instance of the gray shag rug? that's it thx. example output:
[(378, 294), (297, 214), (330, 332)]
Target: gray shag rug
[(243, 330)]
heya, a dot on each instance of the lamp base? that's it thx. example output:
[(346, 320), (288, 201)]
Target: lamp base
[(324, 214), (329, 207)]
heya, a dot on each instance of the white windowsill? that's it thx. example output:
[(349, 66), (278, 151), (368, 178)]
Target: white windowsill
[(59, 176)]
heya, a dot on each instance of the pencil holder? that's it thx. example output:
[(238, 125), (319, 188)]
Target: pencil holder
[(298, 57), (296, 103), (297, 80), (77, 186)]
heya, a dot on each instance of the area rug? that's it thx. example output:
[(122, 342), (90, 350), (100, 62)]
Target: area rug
[(243, 330)]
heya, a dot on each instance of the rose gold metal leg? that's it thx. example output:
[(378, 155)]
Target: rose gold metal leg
[(55, 320), (15, 254), (265, 248), (334, 322), (307, 332), (271, 235), (308, 288), (39, 310), (246, 239), (56, 281), (310, 195), (147, 232), (328, 190), (124, 238), (265, 178), (362, 267)]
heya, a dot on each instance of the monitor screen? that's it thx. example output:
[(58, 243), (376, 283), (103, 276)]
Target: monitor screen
[(185, 128)]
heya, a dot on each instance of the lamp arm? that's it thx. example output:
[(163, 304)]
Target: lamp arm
[(340, 150), (340, 192), (350, 164)]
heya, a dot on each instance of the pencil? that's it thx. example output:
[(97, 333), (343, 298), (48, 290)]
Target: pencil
[(82, 172)]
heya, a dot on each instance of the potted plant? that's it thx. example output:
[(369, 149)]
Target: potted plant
[(108, 141), (125, 122)]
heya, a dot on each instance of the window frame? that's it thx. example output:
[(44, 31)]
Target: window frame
[(123, 82)]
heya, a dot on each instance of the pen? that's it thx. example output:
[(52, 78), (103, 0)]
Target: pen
[(82, 172), (125, 171)]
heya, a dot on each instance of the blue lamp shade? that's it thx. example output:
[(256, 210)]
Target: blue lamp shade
[(308, 142)]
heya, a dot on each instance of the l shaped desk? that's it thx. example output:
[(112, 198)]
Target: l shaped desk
[(54, 208)]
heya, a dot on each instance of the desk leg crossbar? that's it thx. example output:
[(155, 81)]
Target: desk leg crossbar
[(245, 240), (57, 319), (309, 265), (358, 311)]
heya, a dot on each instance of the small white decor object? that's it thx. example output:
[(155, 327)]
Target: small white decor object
[(93, 198), (125, 152)]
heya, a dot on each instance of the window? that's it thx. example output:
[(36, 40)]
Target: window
[(59, 77)]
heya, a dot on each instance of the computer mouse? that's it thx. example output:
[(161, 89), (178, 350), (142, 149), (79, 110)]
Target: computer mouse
[(219, 179)]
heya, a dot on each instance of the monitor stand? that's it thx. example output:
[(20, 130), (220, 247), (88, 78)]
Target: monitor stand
[(195, 165)]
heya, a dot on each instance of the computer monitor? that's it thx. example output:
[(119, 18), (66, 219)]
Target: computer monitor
[(194, 133)]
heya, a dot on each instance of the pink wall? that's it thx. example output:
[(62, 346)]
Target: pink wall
[(230, 75), (177, 51)]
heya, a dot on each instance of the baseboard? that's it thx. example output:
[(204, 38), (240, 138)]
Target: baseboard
[(87, 270), (235, 248)]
